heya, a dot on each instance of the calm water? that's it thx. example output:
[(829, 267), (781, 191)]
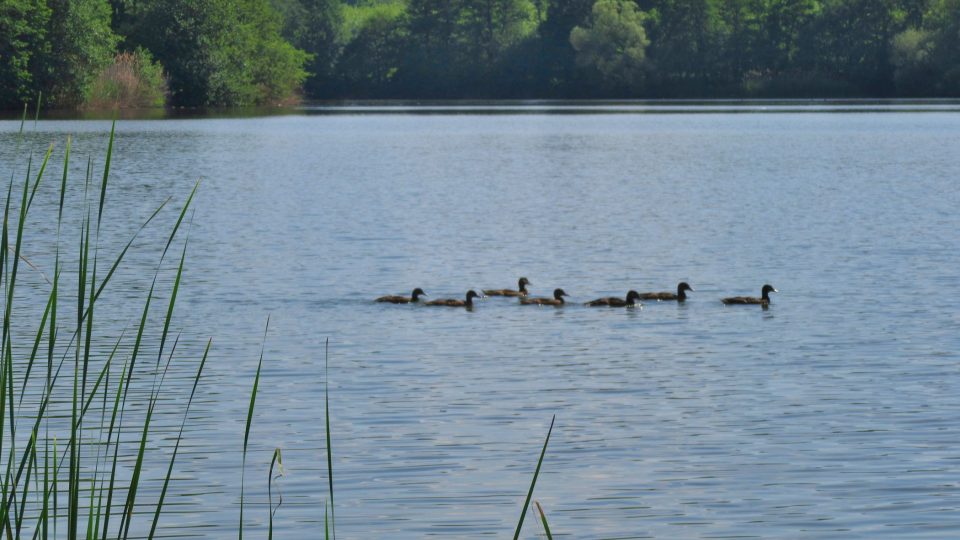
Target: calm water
[(835, 413)]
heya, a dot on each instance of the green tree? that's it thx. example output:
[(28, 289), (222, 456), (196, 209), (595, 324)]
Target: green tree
[(559, 74), (81, 45), (686, 45), (434, 63), (220, 52), (23, 29), (318, 28), (490, 27), (613, 44), (926, 58), (370, 59), (850, 41)]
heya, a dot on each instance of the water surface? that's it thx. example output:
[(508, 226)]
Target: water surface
[(832, 414)]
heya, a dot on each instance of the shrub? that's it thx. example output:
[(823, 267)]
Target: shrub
[(133, 80)]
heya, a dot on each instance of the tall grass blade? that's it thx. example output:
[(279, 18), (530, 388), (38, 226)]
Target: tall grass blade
[(533, 483), (246, 433), (106, 174), (36, 116), (543, 519), (132, 489), (277, 460), (326, 399), (176, 448)]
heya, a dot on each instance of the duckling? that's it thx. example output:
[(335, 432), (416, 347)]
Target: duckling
[(633, 299), (557, 299), (395, 299), (763, 300), (453, 302), (681, 295), (521, 285)]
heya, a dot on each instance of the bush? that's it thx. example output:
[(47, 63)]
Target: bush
[(133, 81)]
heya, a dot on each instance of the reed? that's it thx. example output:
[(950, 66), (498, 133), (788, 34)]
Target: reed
[(533, 482), (543, 520), (47, 485)]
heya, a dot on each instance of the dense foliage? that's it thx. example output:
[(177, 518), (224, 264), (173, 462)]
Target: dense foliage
[(239, 52)]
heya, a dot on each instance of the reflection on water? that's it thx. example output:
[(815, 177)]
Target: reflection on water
[(832, 413)]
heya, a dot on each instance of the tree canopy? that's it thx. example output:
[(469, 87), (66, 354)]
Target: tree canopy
[(247, 52)]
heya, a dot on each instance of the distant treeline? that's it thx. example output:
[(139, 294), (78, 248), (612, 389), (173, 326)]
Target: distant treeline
[(101, 53)]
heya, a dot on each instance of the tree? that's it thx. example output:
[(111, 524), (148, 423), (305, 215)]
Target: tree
[(614, 44), (434, 61), (220, 52), (82, 44), (316, 27), (23, 29), (370, 59), (558, 69), (490, 27)]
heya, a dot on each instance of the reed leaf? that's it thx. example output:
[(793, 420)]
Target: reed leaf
[(326, 399), (246, 432), (543, 519), (176, 447), (533, 483), (278, 461)]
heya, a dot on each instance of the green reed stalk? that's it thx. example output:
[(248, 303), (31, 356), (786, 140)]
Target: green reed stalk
[(543, 519), (536, 473), (176, 448), (30, 489), (277, 460), (326, 399), (246, 433)]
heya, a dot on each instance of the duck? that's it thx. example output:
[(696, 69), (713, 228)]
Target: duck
[(763, 300), (633, 299), (396, 299), (680, 296), (521, 286), (453, 302), (557, 299)]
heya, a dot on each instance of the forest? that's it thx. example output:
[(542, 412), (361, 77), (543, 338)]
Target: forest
[(211, 53)]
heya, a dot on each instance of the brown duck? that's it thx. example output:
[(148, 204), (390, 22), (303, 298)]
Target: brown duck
[(453, 302), (557, 299), (680, 296), (395, 299), (633, 299), (521, 286), (763, 300)]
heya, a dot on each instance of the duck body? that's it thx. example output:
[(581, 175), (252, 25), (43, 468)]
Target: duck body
[(453, 302), (679, 296), (521, 289), (395, 299), (763, 300), (557, 299), (633, 299)]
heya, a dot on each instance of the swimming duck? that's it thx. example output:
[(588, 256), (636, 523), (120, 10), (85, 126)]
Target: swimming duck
[(681, 295), (763, 300), (453, 302), (395, 299), (557, 299), (521, 285), (633, 299)]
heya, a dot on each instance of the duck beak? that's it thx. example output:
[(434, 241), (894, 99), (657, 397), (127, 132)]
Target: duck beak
[(775, 290)]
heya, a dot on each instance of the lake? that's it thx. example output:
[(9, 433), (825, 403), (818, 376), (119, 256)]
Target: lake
[(834, 413)]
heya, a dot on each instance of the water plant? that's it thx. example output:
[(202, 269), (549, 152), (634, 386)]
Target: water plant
[(66, 469), (533, 483)]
